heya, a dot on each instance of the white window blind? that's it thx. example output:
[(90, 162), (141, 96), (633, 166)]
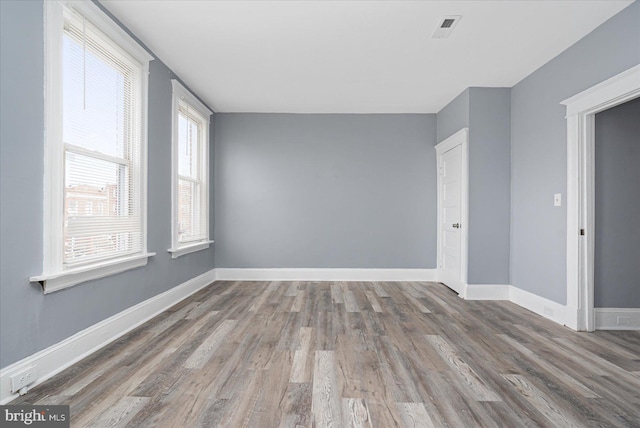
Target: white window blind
[(192, 224), (101, 133)]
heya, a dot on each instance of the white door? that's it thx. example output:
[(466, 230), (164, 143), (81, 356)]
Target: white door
[(450, 272)]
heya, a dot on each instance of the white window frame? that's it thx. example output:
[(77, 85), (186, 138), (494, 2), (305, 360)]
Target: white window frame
[(55, 276), (180, 93)]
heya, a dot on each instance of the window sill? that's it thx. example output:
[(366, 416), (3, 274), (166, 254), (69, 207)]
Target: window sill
[(70, 277), (181, 251)]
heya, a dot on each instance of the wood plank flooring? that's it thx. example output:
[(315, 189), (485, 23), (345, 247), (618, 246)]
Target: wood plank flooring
[(332, 354)]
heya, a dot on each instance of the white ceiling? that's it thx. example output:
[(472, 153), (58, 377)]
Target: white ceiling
[(353, 56)]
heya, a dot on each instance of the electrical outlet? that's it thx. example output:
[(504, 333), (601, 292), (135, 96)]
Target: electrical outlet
[(23, 378), (624, 321)]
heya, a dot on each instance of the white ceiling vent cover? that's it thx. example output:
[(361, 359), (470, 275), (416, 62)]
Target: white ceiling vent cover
[(445, 26)]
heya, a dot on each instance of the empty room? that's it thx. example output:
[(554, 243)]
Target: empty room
[(319, 213)]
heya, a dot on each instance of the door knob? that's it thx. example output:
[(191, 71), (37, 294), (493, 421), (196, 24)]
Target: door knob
[(456, 225)]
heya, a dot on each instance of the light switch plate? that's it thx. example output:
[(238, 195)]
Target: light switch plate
[(557, 200)]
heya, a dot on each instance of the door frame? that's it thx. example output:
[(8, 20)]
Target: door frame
[(581, 111), (460, 138)]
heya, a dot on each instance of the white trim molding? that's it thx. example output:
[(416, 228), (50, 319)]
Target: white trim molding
[(58, 357), (539, 305), (70, 277), (460, 138), (616, 90), (326, 274), (107, 25), (581, 111), (617, 318), (181, 251)]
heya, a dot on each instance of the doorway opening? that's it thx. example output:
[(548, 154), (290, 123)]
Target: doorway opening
[(581, 111), (617, 217)]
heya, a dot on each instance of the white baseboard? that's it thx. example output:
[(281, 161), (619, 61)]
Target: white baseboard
[(539, 305), (486, 292), (326, 274), (536, 304), (58, 357), (605, 318), (617, 318)]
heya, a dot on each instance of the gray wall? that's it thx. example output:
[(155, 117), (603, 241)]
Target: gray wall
[(489, 185), (617, 203), (539, 149), (29, 320), (325, 191), (454, 116)]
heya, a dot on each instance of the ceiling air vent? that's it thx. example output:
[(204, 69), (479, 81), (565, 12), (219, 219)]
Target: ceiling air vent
[(446, 26)]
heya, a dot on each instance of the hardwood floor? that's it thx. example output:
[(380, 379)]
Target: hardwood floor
[(301, 354)]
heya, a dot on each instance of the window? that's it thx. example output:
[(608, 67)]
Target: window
[(190, 171), (73, 206), (95, 148)]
